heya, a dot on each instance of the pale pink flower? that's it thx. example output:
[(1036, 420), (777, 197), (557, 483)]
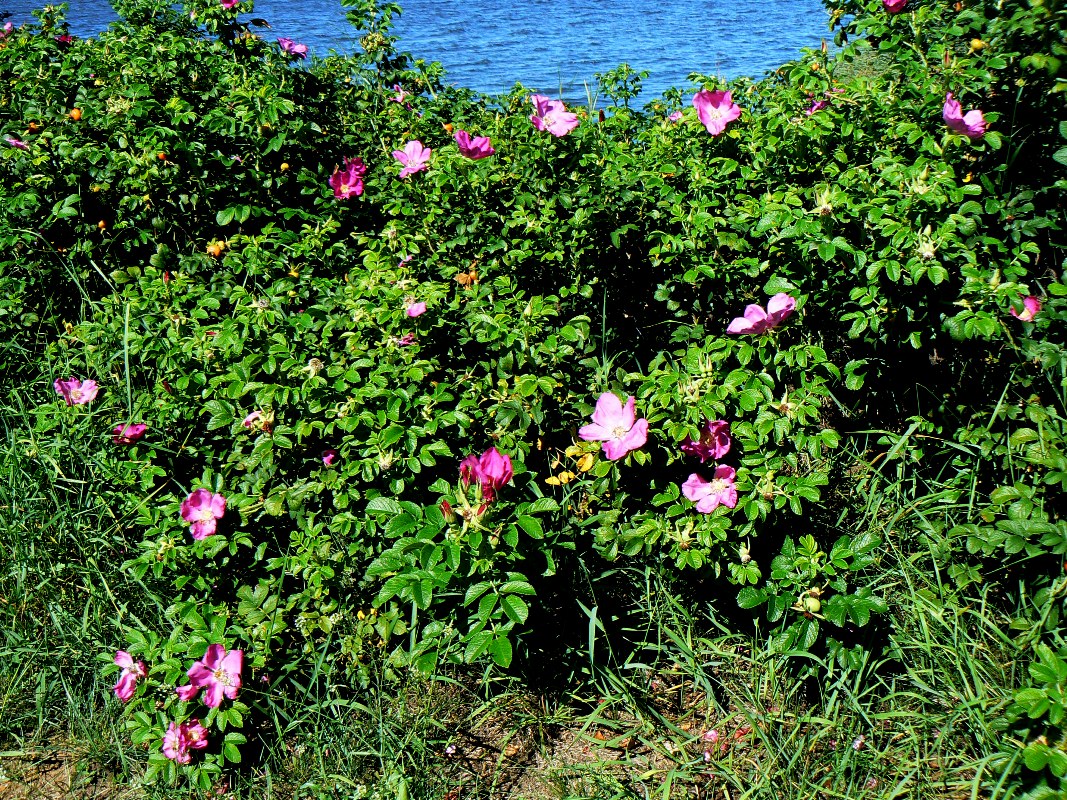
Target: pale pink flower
[(894, 6), (292, 48), (218, 673), (491, 470), (756, 320), (21, 145), (552, 116), (76, 392), (1031, 308), (714, 441), (400, 95), (8, 27), (128, 434), (251, 419), (715, 110), (972, 124), (616, 426), (415, 309), (675, 116), (132, 671), (203, 509), (348, 181), (329, 456), (181, 738), (709, 495), (475, 148), (414, 157)]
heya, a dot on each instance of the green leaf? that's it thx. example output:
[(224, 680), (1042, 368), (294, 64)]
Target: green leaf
[(386, 505), (515, 607)]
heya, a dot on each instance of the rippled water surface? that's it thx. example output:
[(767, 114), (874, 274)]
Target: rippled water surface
[(489, 45)]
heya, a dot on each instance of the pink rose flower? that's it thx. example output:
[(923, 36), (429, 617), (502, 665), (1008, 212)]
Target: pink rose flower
[(715, 110), (616, 426), (228, 4), (218, 673), (1031, 307), (132, 671), (75, 392), (756, 320), (894, 6), (128, 434), (348, 181), (416, 309), (8, 27), (475, 148), (414, 157), (329, 456), (714, 441), (251, 419), (181, 738), (972, 124), (292, 48), (675, 116), (21, 145), (552, 116), (202, 509), (400, 95), (491, 470), (709, 495)]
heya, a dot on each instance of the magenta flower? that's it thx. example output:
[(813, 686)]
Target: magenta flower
[(8, 27), (329, 456), (414, 157), (675, 116), (714, 441), (348, 181), (228, 4), (756, 320), (491, 470), (616, 426), (817, 105), (552, 116), (972, 124), (251, 419), (709, 495), (400, 95), (65, 39), (218, 673), (202, 509), (1031, 307), (292, 48), (894, 6), (181, 738), (475, 148), (406, 339), (75, 392), (128, 434), (132, 671), (21, 145), (415, 309), (715, 110)]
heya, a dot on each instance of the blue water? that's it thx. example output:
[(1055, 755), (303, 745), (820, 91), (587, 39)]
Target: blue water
[(548, 45)]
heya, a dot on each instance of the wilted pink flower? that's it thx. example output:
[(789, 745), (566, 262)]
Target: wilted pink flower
[(675, 116), (400, 95), (65, 38), (709, 495), (710, 736), (415, 309), (475, 148), (616, 426), (1031, 307), (202, 509), (348, 181), (857, 743), (714, 441), (715, 109), (128, 434), (406, 339), (181, 738), (818, 105), (414, 157), (491, 470), (292, 48), (251, 419), (21, 145), (894, 6), (218, 673), (552, 116), (329, 456), (756, 320), (972, 124), (132, 671), (403, 261), (75, 392)]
